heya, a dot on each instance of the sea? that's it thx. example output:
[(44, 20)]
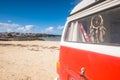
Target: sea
[(58, 38)]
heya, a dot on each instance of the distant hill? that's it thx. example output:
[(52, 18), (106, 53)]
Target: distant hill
[(15, 36)]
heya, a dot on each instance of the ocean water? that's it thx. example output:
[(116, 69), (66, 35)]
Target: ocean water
[(51, 38)]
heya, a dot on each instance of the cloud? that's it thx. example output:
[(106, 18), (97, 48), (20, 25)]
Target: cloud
[(20, 28), (25, 28), (49, 29), (53, 30), (8, 25), (60, 27), (29, 27), (12, 27), (9, 30)]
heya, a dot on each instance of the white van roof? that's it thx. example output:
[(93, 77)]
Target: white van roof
[(88, 7), (83, 4)]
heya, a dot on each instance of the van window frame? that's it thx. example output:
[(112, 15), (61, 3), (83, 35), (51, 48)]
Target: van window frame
[(103, 11)]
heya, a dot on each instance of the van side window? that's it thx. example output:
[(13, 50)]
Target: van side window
[(71, 32), (74, 33), (83, 32), (104, 27), (99, 28)]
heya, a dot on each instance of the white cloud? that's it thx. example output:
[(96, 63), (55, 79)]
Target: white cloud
[(53, 30), (9, 30), (26, 28), (49, 29), (8, 25), (12, 27), (60, 27), (20, 28), (29, 27)]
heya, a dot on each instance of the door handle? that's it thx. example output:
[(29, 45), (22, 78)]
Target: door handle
[(82, 73)]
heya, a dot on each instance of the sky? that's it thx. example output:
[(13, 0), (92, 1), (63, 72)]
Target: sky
[(35, 16)]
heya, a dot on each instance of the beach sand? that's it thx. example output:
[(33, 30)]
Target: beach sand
[(28, 60)]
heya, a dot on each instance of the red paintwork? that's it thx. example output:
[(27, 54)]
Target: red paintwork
[(98, 66)]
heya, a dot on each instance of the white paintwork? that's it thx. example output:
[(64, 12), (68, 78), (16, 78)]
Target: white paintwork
[(99, 7), (102, 49), (81, 5)]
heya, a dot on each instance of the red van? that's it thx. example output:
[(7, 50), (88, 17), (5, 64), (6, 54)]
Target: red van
[(90, 44)]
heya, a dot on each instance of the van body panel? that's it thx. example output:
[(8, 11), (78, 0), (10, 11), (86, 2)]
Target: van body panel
[(98, 66), (90, 43)]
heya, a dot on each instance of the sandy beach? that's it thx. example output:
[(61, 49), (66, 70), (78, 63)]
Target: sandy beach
[(28, 60)]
